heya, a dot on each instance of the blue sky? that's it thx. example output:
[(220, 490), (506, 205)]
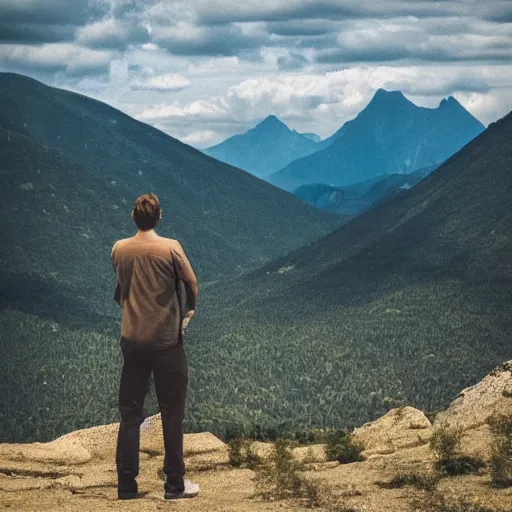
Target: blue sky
[(203, 70)]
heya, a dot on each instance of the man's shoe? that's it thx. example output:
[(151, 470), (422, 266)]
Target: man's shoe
[(127, 489), (190, 490)]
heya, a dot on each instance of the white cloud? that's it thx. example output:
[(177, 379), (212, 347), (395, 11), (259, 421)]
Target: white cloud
[(55, 57), (118, 71), (412, 38), (214, 66), (228, 64), (202, 139), (321, 103), (198, 110), (167, 82), (112, 33)]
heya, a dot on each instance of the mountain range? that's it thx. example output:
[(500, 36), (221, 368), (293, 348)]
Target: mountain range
[(265, 148), (78, 152), (407, 303), (390, 135), (71, 170)]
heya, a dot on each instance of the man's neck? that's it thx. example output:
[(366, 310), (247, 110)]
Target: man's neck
[(147, 235)]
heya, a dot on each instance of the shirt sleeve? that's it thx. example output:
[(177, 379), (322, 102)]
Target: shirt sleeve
[(117, 292), (185, 273), (113, 256)]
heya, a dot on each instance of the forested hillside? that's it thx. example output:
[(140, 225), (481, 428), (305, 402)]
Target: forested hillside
[(407, 303)]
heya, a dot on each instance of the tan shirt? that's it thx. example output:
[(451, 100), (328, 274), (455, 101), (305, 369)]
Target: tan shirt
[(148, 273)]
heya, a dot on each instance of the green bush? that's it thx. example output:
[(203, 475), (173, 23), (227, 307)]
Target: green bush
[(446, 445), (343, 448), (278, 477), (459, 465), (501, 450), (445, 442), (424, 481), (241, 453), (439, 502)]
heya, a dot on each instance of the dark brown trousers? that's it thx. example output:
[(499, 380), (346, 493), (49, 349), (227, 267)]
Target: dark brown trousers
[(169, 367)]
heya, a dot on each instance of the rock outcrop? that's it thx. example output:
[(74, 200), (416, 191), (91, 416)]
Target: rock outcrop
[(398, 429), (77, 471), (476, 404)]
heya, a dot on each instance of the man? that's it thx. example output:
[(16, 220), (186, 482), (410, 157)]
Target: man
[(149, 269)]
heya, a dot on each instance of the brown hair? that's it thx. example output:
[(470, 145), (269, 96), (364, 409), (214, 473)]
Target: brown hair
[(146, 212)]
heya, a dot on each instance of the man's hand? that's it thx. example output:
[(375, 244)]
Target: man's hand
[(187, 317)]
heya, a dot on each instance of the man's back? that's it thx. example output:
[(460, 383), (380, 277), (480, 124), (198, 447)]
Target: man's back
[(147, 272)]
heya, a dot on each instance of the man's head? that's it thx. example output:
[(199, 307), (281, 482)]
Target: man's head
[(147, 212)]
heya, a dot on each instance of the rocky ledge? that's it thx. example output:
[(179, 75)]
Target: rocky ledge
[(76, 472)]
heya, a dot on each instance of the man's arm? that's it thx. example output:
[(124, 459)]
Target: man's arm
[(117, 292), (187, 275)]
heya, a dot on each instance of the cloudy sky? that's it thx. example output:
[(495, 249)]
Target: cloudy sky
[(203, 70)]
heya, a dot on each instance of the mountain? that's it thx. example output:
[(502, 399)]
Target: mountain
[(355, 199), (312, 136), (264, 149), (72, 168), (391, 135), (407, 303), (320, 195), (393, 185)]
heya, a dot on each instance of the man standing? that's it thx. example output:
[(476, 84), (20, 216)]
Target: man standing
[(149, 269)]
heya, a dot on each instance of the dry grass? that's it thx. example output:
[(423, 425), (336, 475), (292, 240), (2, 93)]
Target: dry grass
[(501, 450)]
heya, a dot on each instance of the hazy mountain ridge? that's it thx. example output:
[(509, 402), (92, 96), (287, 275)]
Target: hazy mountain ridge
[(267, 147), (390, 135), (312, 136), (353, 200)]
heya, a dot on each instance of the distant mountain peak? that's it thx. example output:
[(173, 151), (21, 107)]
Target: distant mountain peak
[(266, 148), (383, 95), (450, 102), (383, 99), (271, 121)]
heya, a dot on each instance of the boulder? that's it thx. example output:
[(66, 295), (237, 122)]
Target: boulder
[(400, 428)]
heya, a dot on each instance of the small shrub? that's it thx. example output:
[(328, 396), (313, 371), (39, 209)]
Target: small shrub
[(278, 477), (501, 450), (309, 458), (309, 436), (343, 448), (459, 465), (241, 453), (424, 481), (439, 502), (400, 412), (445, 443)]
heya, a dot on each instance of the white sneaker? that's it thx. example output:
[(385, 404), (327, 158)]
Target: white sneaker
[(191, 490)]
